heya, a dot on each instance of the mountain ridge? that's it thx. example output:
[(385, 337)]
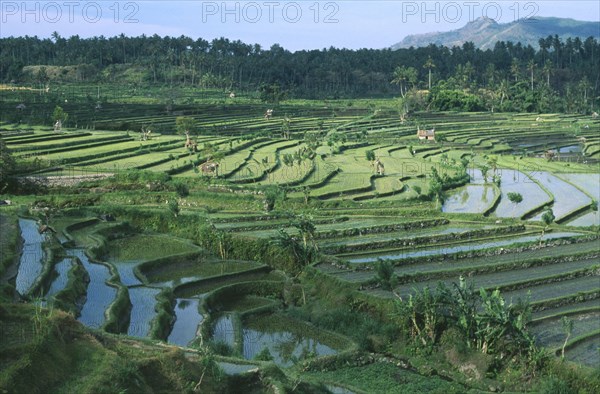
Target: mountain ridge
[(484, 32)]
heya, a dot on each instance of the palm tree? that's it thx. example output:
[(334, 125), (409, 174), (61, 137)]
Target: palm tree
[(429, 65), (503, 91), (404, 75), (436, 188), (584, 85), (464, 73), (515, 69), (548, 70), (544, 45), (531, 67), (490, 75), (307, 229)]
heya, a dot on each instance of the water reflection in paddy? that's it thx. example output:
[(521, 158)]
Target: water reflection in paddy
[(188, 318), (30, 263), (143, 302), (60, 282), (99, 294), (284, 346)]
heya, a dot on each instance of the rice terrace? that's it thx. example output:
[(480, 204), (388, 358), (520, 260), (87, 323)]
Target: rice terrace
[(163, 231)]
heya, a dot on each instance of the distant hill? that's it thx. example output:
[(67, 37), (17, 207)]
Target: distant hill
[(485, 32)]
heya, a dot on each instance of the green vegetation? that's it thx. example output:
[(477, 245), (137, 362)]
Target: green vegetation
[(485, 322), (65, 357), (384, 377), (146, 247), (557, 77)]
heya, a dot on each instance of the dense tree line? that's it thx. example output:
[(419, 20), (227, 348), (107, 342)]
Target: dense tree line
[(558, 73)]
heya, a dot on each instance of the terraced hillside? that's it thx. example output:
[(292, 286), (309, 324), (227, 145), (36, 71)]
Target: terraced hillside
[(169, 251)]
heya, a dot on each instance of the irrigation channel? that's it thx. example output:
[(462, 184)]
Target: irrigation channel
[(249, 336)]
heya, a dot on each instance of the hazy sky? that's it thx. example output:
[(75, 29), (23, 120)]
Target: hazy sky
[(295, 25)]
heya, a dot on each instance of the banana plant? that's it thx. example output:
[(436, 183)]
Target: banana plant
[(423, 314), (465, 310)]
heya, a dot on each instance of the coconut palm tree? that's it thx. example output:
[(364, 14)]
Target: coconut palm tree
[(515, 69), (429, 64), (531, 67), (404, 76), (503, 91), (548, 70)]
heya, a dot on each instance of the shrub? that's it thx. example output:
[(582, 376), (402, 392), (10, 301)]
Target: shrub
[(264, 355), (181, 189), (221, 348), (174, 208), (455, 100)]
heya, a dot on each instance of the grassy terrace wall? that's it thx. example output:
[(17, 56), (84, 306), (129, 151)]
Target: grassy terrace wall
[(426, 240), (197, 162), (161, 325), (494, 205), (194, 227), (382, 228), (515, 248), (265, 288), (51, 250), (195, 287), (96, 161), (98, 144), (265, 225), (500, 267), (157, 266), (557, 302), (119, 312), (79, 226), (580, 339), (10, 242)]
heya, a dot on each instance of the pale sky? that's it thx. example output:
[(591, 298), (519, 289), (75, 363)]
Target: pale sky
[(295, 25)]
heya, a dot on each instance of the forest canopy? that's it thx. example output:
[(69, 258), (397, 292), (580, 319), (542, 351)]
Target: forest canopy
[(562, 75)]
